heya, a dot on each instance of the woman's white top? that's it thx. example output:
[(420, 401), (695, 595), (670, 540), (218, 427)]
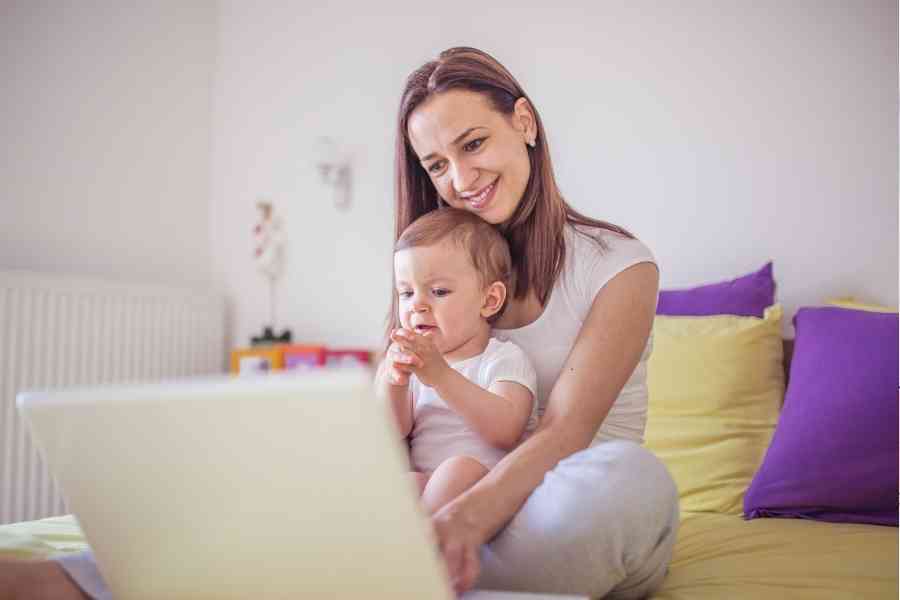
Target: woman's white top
[(548, 340), (439, 432)]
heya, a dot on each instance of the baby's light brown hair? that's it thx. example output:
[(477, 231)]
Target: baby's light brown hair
[(486, 247)]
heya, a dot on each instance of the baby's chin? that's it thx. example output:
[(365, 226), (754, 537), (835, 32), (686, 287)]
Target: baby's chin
[(439, 341)]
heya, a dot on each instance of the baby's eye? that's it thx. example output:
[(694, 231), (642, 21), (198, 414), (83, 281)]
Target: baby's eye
[(436, 167), (473, 145), (440, 292), (405, 294)]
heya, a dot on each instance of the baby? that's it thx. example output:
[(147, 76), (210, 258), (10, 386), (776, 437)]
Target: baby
[(462, 397)]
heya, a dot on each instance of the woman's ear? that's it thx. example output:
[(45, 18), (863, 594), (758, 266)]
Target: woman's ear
[(524, 121), (494, 297)]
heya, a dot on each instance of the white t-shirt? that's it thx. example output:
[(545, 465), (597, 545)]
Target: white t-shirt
[(439, 432), (548, 340)]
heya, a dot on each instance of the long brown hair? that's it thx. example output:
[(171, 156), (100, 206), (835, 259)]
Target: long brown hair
[(535, 229)]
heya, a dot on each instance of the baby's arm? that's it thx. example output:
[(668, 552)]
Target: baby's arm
[(499, 414), (392, 387), (400, 401)]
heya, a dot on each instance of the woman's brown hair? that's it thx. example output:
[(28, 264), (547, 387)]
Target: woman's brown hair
[(535, 229)]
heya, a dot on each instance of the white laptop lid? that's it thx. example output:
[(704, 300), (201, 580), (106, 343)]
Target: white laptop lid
[(276, 487)]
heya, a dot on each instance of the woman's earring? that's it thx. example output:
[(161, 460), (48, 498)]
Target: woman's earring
[(532, 143)]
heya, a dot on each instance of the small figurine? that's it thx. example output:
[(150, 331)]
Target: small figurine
[(268, 254), (268, 242)]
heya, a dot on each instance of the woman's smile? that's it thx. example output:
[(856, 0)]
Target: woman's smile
[(483, 197)]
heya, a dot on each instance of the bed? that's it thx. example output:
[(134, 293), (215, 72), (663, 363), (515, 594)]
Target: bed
[(727, 415)]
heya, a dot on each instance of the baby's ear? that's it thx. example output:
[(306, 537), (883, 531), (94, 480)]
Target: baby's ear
[(494, 296)]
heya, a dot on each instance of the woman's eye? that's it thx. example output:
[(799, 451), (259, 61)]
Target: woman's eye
[(473, 145), (436, 167)]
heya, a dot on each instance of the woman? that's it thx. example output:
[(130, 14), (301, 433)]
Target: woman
[(580, 506)]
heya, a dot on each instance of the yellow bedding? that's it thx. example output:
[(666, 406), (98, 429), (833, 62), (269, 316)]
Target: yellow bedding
[(722, 556), (718, 556)]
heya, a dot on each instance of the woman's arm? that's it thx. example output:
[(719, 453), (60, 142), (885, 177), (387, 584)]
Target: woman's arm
[(604, 356)]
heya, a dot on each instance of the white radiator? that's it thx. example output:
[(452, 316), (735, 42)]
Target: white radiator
[(57, 331)]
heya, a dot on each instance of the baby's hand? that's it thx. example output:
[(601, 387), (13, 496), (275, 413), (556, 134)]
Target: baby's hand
[(399, 362), (430, 364)]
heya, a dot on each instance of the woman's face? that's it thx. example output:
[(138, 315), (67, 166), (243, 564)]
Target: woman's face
[(476, 157)]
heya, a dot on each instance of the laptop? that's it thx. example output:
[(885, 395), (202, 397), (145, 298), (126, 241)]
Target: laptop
[(283, 486)]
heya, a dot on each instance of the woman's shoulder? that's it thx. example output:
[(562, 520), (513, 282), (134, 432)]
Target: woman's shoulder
[(586, 244), (594, 256)]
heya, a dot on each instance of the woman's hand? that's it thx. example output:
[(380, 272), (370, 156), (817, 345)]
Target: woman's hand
[(459, 541), (429, 364)]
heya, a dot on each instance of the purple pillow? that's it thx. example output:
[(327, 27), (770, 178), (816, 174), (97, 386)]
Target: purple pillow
[(746, 296), (834, 453)]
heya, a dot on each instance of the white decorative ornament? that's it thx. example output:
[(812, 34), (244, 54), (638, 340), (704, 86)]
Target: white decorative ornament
[(268, 241), (333, 164), (268, 256)]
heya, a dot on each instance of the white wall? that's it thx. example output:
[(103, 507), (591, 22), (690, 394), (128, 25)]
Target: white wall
[(105, 120), (724, 134)]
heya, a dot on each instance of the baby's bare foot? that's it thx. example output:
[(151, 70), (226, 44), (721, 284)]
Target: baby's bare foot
[(36, 580)]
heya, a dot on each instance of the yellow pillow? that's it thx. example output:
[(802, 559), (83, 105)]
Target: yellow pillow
[(716, 385), (857, 305)]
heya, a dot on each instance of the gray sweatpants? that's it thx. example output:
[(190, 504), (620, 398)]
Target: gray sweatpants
[(602, 523)]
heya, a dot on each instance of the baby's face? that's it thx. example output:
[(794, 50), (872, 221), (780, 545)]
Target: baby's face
[(440, 294)]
